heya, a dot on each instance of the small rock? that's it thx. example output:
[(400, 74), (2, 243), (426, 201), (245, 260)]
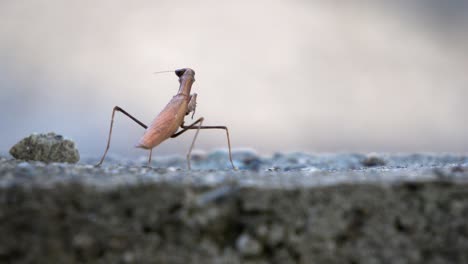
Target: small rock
[(248, 159), (243, 159), (47, 148), (248, 246), (373, 161)]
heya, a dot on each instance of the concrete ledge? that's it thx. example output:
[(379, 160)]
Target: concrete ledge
[(401, 216), (290, 209)]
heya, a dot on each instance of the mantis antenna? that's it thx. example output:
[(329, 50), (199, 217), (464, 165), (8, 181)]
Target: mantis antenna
[(161, 72)]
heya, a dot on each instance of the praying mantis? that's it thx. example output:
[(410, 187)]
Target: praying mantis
[(170, 119)]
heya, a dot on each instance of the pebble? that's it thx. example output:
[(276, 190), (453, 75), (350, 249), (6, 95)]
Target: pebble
[(48, 148), (373, 161)]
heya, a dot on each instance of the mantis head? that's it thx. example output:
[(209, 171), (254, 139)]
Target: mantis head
[(180, 72), (184, 72)]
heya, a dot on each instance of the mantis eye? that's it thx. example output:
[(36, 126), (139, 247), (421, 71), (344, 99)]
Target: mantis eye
[(180, 72)]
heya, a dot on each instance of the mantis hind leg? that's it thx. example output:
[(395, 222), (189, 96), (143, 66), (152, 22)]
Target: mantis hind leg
[(193, 126), (117, 108)]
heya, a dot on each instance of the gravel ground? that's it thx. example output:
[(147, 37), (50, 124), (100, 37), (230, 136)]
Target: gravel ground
[(287, 208)]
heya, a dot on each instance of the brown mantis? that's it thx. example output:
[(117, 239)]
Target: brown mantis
[(166, 124)]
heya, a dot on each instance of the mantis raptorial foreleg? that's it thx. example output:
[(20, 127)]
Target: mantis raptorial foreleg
[(192, 105)]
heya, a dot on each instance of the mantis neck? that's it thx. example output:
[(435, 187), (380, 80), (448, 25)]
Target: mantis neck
[(185, 85)]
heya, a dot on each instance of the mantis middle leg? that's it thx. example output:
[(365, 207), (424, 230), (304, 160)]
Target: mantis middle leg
[(194, 126)]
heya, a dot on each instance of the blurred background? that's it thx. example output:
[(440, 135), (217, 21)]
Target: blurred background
[(315, 76)]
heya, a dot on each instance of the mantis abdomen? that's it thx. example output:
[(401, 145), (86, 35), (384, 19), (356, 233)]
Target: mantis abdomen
[(166, 123)]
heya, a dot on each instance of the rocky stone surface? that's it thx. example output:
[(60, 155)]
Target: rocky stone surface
[(289, 208), (248, 159), (48, 147)]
